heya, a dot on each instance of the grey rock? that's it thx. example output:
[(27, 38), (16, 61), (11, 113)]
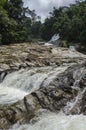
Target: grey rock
[(54, 97)]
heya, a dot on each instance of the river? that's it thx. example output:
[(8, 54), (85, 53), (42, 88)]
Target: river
[(53, 121), (18, 84)]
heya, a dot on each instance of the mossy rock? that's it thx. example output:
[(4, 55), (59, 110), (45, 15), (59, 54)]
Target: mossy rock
[(65, 43)]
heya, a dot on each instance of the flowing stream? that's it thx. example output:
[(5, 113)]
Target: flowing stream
[(20, 83), (53, 121)]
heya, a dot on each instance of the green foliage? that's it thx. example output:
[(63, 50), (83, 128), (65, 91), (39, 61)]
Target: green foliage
[(35, 29), (17, 23), (69, 22), (47, 28), (2, 2)]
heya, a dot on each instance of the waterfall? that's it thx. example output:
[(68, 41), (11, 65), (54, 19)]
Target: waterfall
[(18, 84)]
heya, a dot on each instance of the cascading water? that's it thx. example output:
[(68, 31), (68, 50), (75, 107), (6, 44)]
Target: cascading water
[(53, 121), (78, 76), (20, 83)]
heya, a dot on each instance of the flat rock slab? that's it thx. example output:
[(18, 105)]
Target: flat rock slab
[(24, 55)]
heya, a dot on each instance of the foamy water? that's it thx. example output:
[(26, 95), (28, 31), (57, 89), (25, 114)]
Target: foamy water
[(20, 83), (53, 121)]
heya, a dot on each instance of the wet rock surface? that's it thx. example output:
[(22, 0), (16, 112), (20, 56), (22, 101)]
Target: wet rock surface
[(67, 91), (24, 55), (68, 87)]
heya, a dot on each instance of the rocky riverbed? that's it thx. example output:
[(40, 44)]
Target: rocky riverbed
[(24, 55), (38, 77)]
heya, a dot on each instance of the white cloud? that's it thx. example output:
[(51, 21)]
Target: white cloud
[(43, 7)]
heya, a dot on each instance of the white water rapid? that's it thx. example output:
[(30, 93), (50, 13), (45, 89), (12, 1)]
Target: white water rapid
[(20, 83), (53, 121)]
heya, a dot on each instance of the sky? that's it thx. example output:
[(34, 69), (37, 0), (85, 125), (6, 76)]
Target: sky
[(43, 7)]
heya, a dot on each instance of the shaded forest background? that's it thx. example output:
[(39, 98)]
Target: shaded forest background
[(20, 24)]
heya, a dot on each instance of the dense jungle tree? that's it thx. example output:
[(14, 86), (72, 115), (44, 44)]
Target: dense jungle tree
[(16, 21), (69, 22)]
